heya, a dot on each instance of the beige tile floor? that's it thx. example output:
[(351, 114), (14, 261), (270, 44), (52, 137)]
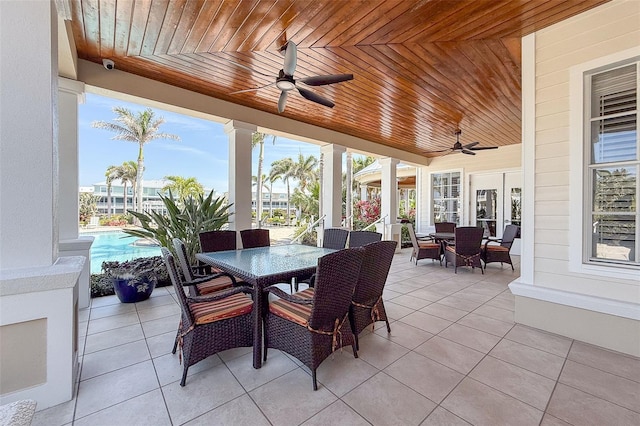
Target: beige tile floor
[(454, 357)]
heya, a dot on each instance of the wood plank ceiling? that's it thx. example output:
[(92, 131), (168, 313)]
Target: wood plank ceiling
[(421, 68)]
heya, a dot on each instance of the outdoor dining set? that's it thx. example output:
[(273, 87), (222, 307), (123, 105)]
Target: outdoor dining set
[(235, 298)]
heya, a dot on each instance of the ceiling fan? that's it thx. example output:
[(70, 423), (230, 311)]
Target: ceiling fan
[(465, 149), (285, 81)]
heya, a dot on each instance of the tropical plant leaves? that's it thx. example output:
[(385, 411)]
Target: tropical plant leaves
[(183, 220)]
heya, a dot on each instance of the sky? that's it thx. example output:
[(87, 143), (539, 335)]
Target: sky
[(202, 152)]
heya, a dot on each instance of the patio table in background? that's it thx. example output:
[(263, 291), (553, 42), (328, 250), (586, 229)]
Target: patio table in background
[(264, 266)]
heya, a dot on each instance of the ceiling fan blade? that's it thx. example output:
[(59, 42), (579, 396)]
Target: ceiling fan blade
[(466, 151), (482, 148), (443, 150), (321, 80), (290, 58), (247, 68), (308, 94), (470, 145), (253, 89), (282, 102)]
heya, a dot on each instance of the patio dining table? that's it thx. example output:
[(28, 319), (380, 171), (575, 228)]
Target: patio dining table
[(262, 267)]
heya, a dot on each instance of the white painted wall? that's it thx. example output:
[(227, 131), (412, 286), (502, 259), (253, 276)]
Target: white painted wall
[(613, 27)]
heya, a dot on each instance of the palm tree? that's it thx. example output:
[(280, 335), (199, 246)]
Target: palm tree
[(127, 173), (257, 139), (183, 188), (306, 170), (285, 169), (254, 182), (141, 129), (273, 176), (110, 174)]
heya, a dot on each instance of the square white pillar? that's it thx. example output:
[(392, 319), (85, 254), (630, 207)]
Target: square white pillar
[(240, 134), (389, 189), (28, 134), (332, 185)]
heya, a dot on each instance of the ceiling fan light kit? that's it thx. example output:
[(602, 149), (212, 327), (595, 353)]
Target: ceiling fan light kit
[(286, 83)]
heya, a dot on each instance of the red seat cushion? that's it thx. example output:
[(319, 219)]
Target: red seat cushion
[(424, 245), (497, 248), (292, 311), (214, 284), (232, 306)]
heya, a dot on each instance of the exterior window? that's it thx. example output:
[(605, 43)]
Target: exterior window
[(445, 193), (613, 166)]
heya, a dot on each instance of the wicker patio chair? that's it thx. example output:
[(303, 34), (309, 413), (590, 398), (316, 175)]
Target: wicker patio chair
[(255, 238), (201, 284), (335, 238), (445, 227), (424, 249), (367, 306), (217, 241), (312, 324), (500, 252), (465, 249), (212, 323), (361, 238)]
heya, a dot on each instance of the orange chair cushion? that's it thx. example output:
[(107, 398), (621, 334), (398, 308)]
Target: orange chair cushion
[(232, 306), (292, 311), (498, 248), (451, 249), (424, 245), (214, 284)]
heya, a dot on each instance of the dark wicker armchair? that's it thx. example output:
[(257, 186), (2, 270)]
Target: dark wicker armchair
[(201, 284), (212, 323), (312, 324), (424, 249), (465, 249), (367, 306), (252, 238), (445, 227), (335, 238), (362, 238), (500, 252), (217, 241)]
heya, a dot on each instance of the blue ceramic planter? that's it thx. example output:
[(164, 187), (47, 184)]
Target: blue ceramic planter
[(132, 290)]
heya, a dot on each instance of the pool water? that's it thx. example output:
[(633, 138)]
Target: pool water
[(110, 246)]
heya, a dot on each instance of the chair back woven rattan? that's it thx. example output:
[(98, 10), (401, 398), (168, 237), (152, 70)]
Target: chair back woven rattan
[(252, 238), (424, 249), (466, 248), (445, 227), (367, 306), (327, 328), (335, 238), (217, 241), (200, 337), (500, 253), (362, 238)]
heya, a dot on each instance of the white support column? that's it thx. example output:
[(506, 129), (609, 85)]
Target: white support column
[(349, 200), (332, 184), (363, 192), (38, 290), (70, 93), (389, 198), (240, 174), (28, 137)]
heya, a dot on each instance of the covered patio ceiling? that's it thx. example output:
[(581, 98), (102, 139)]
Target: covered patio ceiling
[(421, 68)]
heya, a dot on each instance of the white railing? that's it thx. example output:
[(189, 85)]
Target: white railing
[(309, 229), (371, 226)]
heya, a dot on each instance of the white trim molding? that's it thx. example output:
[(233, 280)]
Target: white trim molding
[(577, 300)]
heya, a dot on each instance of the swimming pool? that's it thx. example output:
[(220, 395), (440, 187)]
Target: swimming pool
[(116, 246)]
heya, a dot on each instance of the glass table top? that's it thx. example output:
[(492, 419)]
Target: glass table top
[(263, 261)]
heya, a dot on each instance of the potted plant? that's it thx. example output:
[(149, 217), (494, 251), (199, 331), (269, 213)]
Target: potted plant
[(131, 287)]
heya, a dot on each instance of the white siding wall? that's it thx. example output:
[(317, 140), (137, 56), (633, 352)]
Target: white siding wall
[(607, 29)]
